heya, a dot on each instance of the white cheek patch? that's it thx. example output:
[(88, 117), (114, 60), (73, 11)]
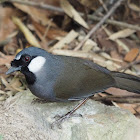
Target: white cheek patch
[(36, 64)]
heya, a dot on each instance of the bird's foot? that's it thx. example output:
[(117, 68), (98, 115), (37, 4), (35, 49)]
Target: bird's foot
[(61, 119)]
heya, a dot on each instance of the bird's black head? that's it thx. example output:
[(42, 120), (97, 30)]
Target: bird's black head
[(21, 63), (28, 61)]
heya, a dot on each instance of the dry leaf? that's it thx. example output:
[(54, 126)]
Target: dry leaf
[(38, 15), (118, 41), (105, 43), (102, 94), (52, 33), (107, 56), (70, 11), (66, 40), (134, 6), (6, 60), (121, 34), (129, 107), (91, 56), (91, 4), (120, 92), (15, 82), (138, 57), (3, 97), (6, 25), (114, 54), (4, 82), (28, 35), (131, 55), (89, 45)]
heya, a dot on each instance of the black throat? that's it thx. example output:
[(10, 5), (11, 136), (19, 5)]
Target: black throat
[(30, 77)]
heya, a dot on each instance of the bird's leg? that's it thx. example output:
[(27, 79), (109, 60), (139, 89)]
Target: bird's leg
[(67, 115)]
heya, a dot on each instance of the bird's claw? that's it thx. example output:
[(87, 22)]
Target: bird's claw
[(60, 119)]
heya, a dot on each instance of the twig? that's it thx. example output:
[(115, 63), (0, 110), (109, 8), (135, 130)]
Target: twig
[(101, 9), (86, 55), (8, 39), (39, 5), (129, 65), (57, 9), (110, 12), (103, 5), (114, 22), (4, 42), (119, 99)]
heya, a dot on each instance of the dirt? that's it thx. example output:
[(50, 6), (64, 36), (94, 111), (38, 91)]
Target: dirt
[(15, 126)]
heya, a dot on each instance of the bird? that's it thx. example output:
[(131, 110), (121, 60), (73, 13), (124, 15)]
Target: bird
[(58, 78)]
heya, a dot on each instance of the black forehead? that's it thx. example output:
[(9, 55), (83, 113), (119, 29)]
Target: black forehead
[(21, 62), (16, 63)]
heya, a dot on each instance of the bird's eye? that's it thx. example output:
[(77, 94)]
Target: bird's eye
[(27, 58)]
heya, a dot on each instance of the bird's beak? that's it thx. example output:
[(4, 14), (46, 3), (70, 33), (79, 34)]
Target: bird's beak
[(13, 69)]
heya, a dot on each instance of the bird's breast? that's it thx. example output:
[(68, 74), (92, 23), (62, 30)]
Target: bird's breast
[(43, 90)]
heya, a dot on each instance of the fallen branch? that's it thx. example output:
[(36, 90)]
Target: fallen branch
[(94, 29)]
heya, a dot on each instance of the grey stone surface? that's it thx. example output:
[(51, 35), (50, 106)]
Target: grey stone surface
[(26, 120)]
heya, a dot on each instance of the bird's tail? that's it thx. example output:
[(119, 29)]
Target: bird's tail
[(127, 82)]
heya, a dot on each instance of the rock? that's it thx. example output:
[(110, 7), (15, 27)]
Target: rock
[(23, 119)]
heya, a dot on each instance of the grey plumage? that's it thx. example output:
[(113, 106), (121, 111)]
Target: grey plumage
[(64, 78)]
